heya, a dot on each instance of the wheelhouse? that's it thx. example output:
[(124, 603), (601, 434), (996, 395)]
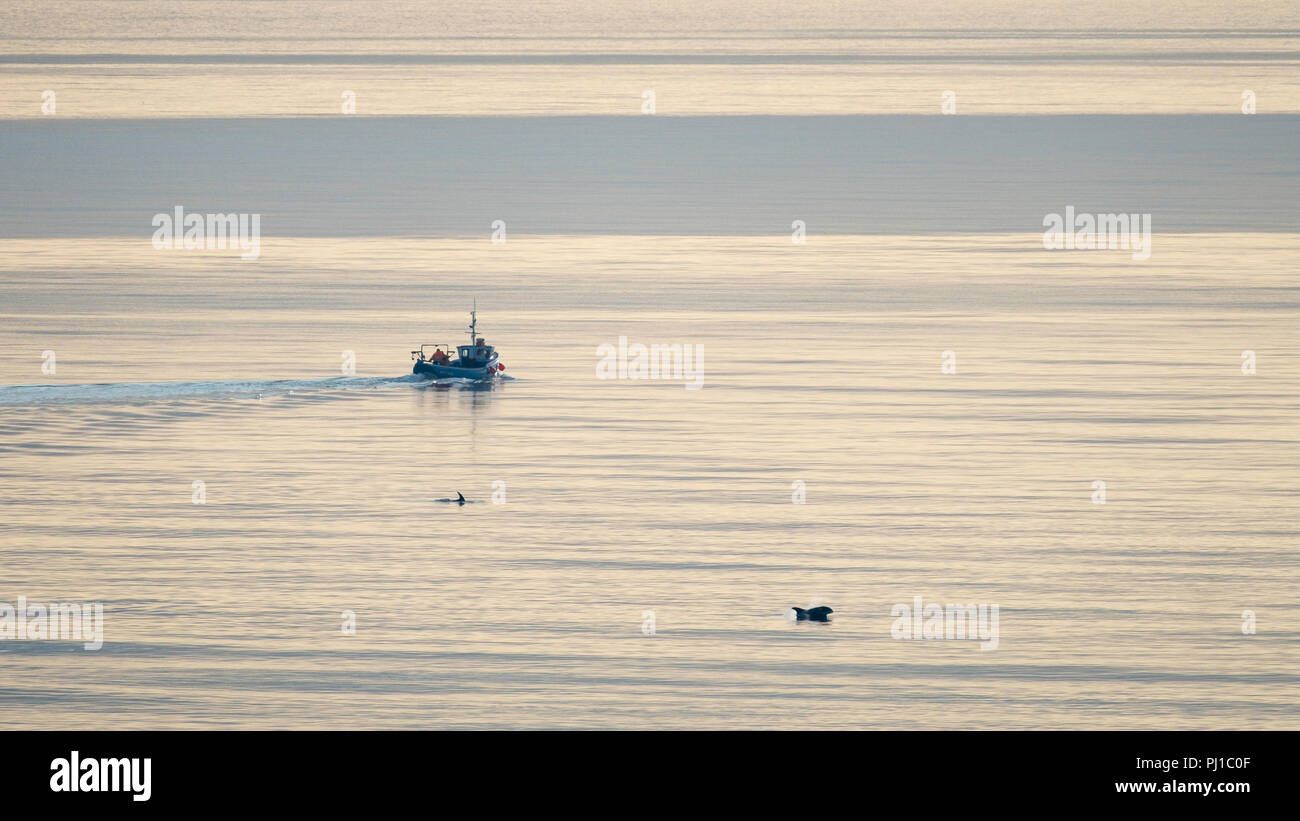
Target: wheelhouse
[(476, 354)]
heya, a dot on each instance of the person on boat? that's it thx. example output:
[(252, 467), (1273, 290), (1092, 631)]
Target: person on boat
[(440, 357)]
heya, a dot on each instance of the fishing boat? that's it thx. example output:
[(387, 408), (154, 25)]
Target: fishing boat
[(477, 360)]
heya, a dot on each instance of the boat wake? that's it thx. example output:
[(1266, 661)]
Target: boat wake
[(116, 392)]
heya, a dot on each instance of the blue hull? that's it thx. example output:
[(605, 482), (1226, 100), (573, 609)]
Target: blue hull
[(452, 371)]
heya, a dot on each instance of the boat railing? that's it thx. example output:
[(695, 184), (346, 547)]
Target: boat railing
[(419, 355)]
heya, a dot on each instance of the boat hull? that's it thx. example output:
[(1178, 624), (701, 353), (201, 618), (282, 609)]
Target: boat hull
[(453, 371)]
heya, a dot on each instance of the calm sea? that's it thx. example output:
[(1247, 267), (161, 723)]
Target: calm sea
[(917, 400)]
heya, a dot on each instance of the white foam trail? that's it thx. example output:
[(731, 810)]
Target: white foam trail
[(165, 391)]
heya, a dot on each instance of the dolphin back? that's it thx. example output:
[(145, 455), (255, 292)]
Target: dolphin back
[(812, 614)]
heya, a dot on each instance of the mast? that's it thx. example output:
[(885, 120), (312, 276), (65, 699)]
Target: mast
[(473, 320)]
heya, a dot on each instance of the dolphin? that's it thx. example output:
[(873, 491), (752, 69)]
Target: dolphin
[(812, 614)]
